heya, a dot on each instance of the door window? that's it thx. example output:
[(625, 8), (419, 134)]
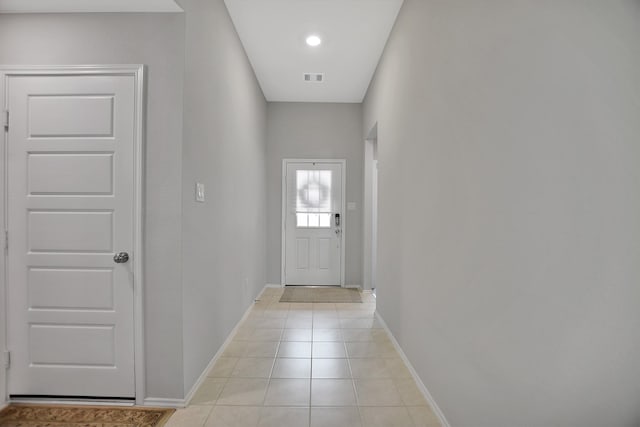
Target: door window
[(313, 198)]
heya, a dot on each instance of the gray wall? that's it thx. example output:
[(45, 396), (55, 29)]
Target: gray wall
[(156, 40), (224, 239), (509, 207), (205, 263), (320, 131)]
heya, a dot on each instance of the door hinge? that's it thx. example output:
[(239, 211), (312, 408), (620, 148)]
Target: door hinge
[(5, 119), (6, 240), (7, 359)]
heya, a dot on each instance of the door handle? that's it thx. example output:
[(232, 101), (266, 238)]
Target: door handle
[(121, 257), (337, 216)]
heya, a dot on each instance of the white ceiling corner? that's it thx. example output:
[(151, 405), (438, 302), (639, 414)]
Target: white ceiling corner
[(87, 6), (354, 33)]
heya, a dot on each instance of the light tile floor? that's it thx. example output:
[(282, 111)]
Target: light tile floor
[(308, 365)]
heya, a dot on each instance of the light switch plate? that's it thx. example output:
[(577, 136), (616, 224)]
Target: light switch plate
[(351, 206), (199, 192)]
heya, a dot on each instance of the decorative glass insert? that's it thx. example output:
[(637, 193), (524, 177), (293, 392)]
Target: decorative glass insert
[(313, 199)]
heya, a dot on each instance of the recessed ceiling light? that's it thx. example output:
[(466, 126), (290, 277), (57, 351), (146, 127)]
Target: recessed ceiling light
[(314, 41)]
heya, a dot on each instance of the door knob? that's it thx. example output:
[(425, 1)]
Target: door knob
[(121, 257)]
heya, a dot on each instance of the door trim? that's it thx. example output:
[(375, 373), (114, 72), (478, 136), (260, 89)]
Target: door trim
[(369, 210), (137, 257), (283, 213)]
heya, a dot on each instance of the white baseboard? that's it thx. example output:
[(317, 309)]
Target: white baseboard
[(273, 285), (88, 402), (160, 402), (414, 374), (221, 350)]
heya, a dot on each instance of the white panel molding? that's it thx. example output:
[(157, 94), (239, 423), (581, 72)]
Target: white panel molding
[(414, 374), (138, 73)]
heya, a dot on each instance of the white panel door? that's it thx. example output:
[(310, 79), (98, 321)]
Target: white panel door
[(70, 210), (313, 224)]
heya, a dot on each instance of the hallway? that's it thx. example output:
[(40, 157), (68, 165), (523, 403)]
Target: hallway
[(315, 365), (168, 164)]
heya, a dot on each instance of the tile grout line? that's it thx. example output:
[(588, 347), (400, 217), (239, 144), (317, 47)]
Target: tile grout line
[(317, 318)]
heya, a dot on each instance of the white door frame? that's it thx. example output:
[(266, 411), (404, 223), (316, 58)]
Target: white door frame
[(285, 163), (370, 233), (137, 257)]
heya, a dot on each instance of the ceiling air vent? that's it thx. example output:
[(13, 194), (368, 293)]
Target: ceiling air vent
[(314, 77)]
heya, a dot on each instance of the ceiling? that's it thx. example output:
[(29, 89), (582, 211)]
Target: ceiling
[(71, 6), (353, 32)]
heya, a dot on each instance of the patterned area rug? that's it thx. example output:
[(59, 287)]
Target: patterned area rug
[(19, 415), (313, 294)]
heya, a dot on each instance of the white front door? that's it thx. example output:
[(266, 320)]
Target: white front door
[(314, 222), (70, 209)]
